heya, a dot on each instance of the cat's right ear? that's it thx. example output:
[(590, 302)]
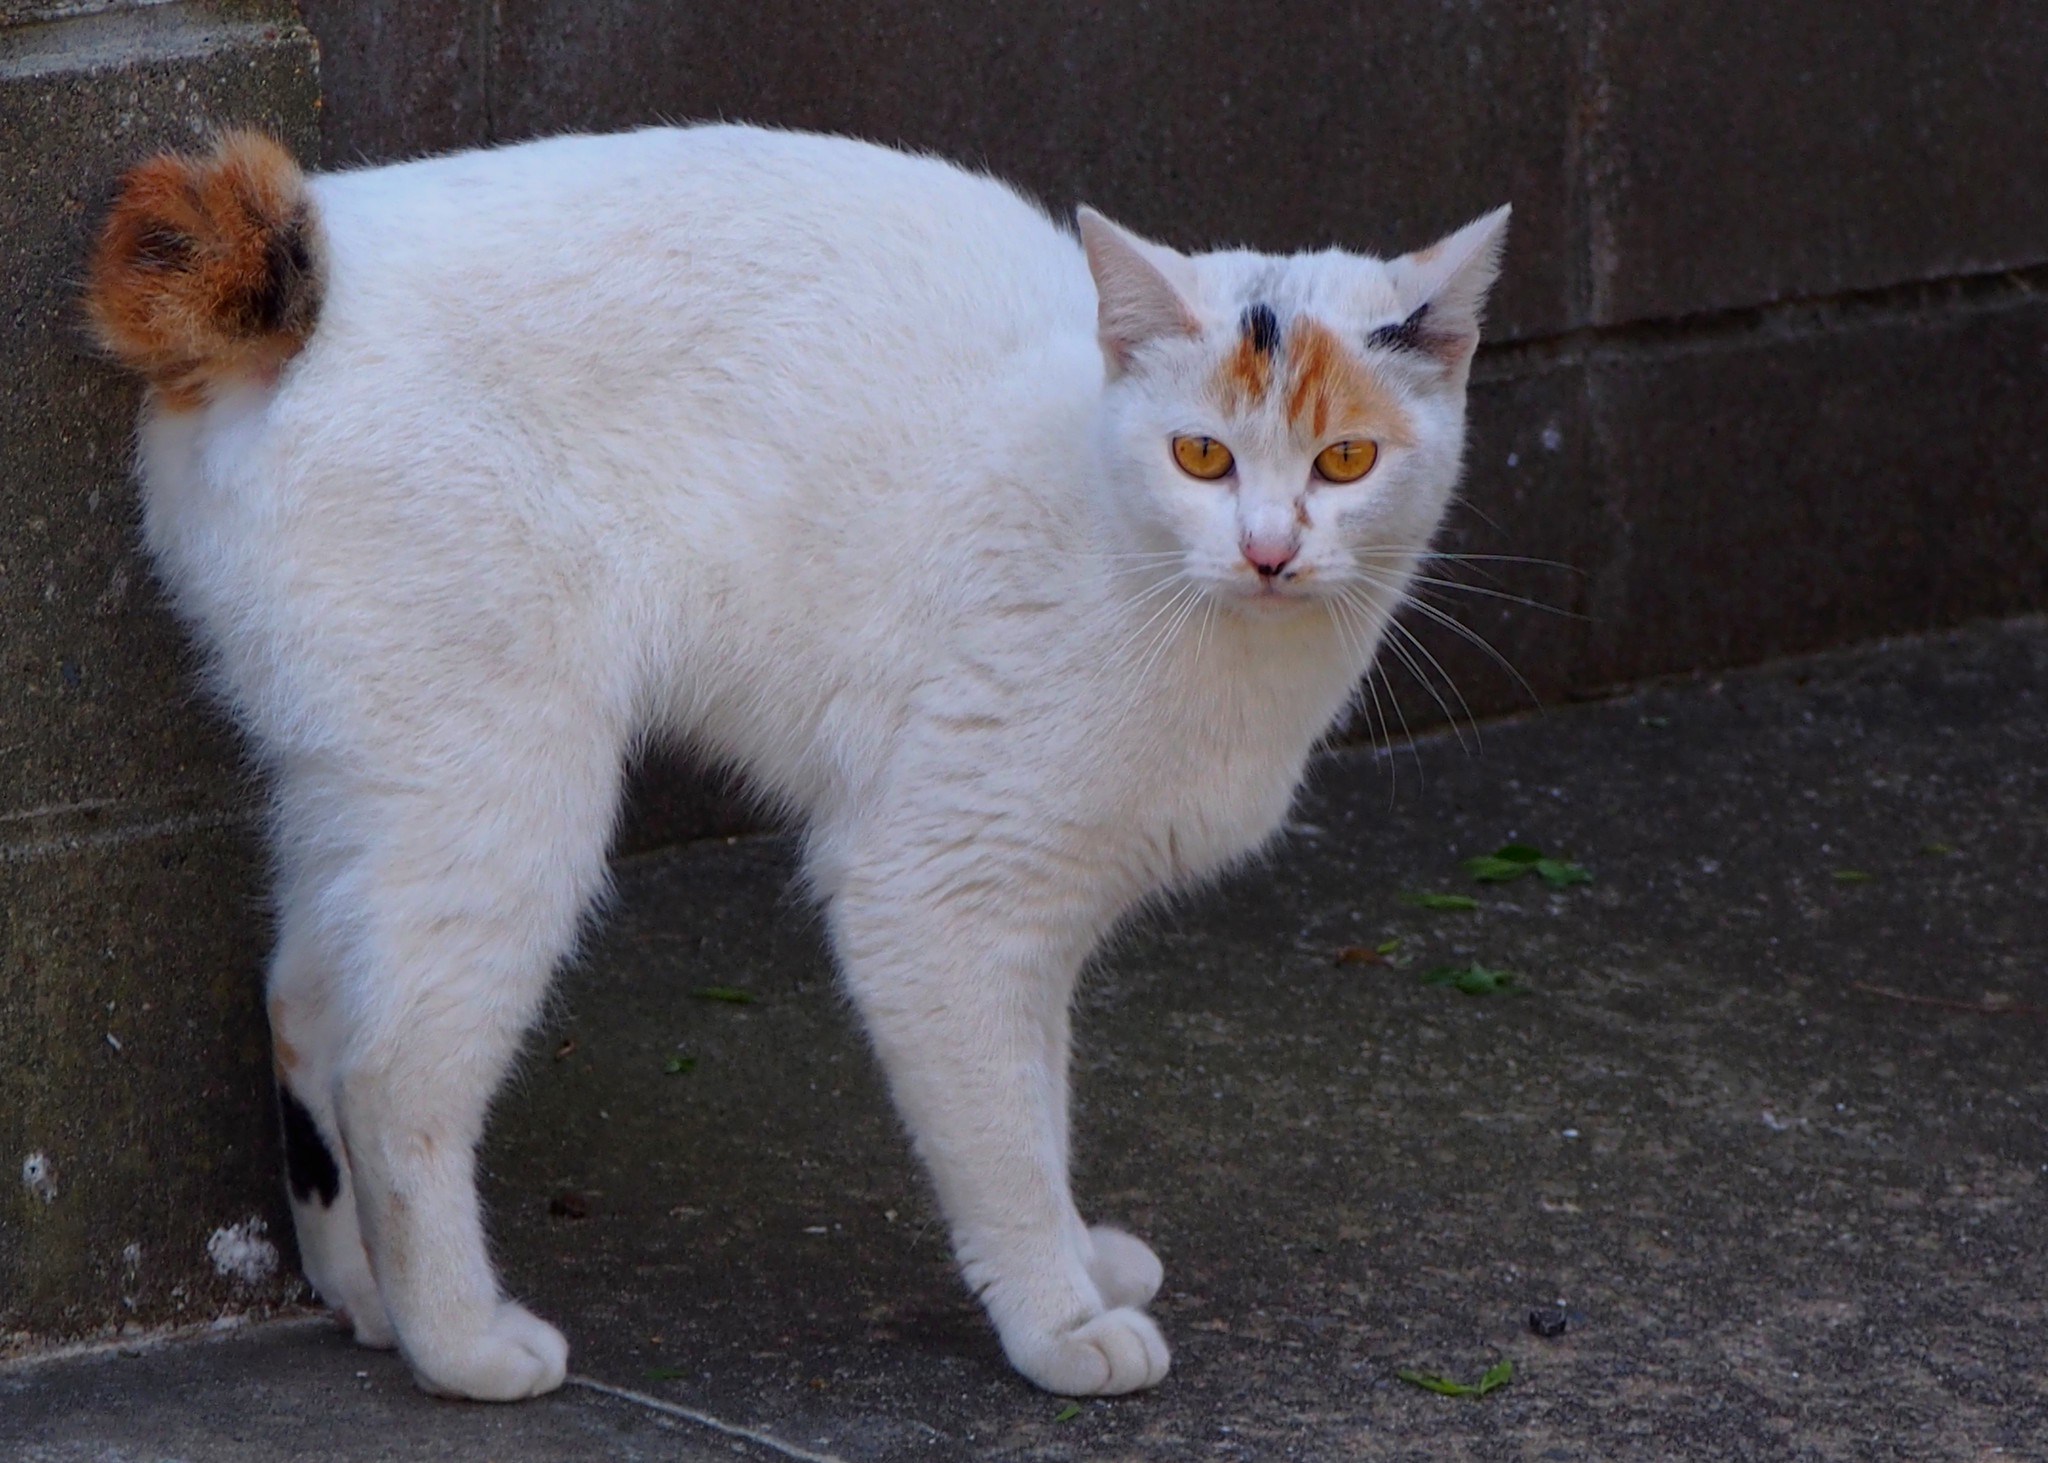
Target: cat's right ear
[(1141, 290)]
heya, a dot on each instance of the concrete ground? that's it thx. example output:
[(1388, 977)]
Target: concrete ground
[(1767, 1124)]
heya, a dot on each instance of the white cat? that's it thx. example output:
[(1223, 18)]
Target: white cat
[(1026, 571)]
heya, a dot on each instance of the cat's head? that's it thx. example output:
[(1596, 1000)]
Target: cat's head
[(1289, 427)]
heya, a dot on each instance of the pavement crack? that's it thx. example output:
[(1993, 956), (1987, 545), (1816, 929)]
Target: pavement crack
[(703, 1419)]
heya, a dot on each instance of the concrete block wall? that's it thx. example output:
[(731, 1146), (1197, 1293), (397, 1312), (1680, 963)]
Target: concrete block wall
[(135, 1118), (1767, 370)]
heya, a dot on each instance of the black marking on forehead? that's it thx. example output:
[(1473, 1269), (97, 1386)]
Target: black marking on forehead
[(1406, 336), (1261, 327)]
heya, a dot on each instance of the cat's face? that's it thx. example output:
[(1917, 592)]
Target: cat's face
[(1288, 430)]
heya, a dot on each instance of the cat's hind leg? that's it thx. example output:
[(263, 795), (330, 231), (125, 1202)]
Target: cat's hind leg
[(468, 890), (306, 1035), (957, 991)]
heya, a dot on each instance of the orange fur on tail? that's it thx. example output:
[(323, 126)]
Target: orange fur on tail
[(208, 269)]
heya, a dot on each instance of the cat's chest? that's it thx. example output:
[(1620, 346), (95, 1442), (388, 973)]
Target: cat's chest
[(1216, 816), (1226, 763)]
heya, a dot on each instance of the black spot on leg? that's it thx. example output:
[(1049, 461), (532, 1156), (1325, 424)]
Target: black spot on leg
[(1403, 336), (1261, 328), (308, 1165)]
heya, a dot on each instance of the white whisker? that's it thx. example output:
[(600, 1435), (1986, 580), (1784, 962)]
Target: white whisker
[(1482, 590), (1458, 627), (1451, 556), (1386, 737), (1408, 661), (1166, 607), (1478, 737)]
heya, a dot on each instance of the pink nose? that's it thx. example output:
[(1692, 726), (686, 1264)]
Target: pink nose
[(1269, 556)]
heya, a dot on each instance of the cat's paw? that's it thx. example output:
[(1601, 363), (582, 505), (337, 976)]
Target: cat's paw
[(1123, 1267), (369, 1322), (516, 1355), (1118, 1351), (351, 1293)]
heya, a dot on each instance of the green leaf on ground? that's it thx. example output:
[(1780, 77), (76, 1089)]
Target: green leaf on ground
[(1937, 850), (663, 1373), (1513, 860), (1474, 979), (1851, 876), (1497, 1375), (1443, 901), (1560, 875), (730, 994), (1068, 1413), (676, 1065), (1388, 947)]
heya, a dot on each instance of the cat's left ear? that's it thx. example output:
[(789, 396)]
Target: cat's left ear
[(1142, 289), (1443, 290)]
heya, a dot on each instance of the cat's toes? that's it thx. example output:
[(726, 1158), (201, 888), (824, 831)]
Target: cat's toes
[(517, 1355), (353, 1297), (371, 1326), (1123, 1268), (1118, 1351)]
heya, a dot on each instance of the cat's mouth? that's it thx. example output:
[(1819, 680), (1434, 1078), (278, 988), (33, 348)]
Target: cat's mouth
[(1277, 595)]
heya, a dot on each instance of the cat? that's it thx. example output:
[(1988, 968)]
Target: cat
[(1024, 569)]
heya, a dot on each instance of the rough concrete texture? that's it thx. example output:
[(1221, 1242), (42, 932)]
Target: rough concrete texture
[(1853, 473), (1767, 1126), (131, 1045), (287, 1393), (1741, 153), (402, 77)]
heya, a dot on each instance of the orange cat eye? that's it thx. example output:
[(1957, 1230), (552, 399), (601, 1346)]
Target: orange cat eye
[(1346, 462), (1203, 457)]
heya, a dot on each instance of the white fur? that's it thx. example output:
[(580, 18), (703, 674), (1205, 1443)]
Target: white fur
[(801, 452)]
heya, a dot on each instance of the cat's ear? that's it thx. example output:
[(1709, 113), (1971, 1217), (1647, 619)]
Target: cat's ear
[(1442, 290), (1141, 289)]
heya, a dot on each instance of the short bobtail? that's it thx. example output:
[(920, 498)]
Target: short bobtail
[(208, 269)]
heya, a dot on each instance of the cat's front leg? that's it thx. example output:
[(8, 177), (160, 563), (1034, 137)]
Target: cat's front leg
[(1122, 1266), (966, 1011)]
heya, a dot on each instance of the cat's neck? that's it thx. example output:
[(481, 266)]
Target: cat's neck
[(1177, 646)]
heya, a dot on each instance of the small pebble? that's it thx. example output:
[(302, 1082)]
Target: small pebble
[(1546, 1321)]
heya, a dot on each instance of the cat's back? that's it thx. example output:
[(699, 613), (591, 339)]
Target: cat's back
[(727, 253)]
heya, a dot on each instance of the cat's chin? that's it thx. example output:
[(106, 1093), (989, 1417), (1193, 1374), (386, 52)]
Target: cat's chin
[(1269, 604)]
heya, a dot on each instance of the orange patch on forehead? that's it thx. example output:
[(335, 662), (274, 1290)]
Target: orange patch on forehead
[(1246, 375), (1328, 388), (1247, 372)]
